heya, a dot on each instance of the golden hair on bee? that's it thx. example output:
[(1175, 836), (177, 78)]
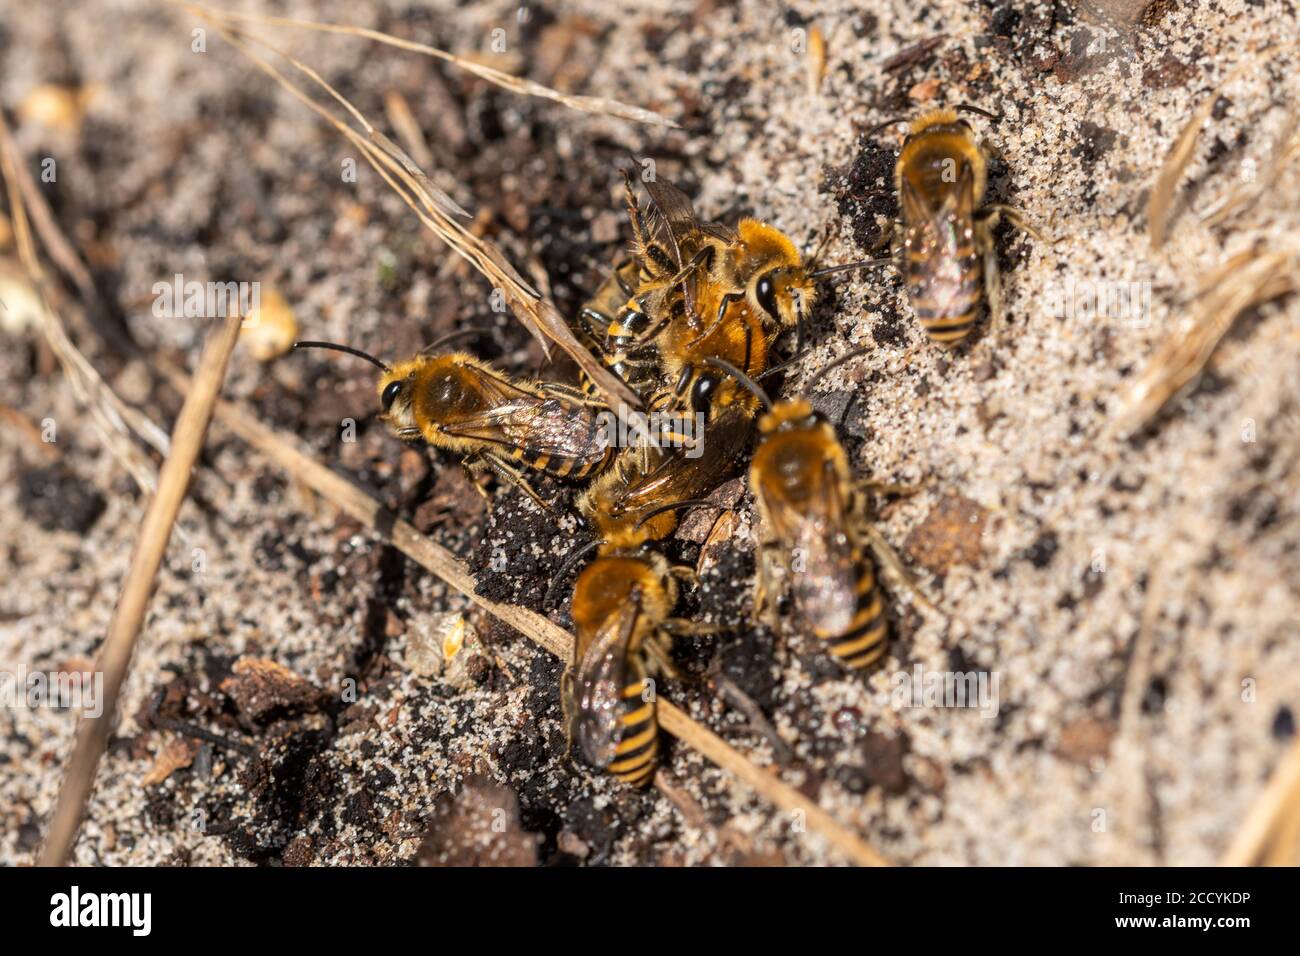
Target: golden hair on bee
[(938, 143), (764, 265)]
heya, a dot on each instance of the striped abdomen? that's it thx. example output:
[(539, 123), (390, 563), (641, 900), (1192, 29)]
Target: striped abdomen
[(863, 640), (637, 752), (572, 467), (941, 266)]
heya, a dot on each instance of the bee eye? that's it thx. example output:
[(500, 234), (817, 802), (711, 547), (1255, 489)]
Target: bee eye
[(702, 393), (766, 294), (683, 380), (390, 395)]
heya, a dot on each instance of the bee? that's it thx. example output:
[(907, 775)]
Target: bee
[(705, 289), (811, 513), (945, 238), (621, 607), (456, 402)]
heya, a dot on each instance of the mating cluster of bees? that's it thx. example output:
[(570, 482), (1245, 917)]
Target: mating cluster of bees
[(691, 322)]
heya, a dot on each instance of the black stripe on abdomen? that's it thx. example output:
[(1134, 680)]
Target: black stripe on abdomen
[(864, 642)]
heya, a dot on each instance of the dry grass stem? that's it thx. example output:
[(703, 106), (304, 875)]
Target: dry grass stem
[(1248, 280), (1270, 834), (117, 423), (441, 215), (515, 84), (151, 546), (1160, 206)]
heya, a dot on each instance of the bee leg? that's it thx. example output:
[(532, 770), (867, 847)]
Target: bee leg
[(566, 694), (658, 649), (869, 486), (889, 559), (992, 275), (650, 252), (993, 213), (684, 573), (633, 210), (473, 466), (767, 589), (680, 625), (889, 233), (623, 284), (597, 324), (737, 698), (727, 299), (513, 476)]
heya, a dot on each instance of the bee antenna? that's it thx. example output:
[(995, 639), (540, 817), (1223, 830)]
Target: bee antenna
[(885, 125), (675, 506), (742, 378), (845, 267), (821, 373), (967, 108), (797, 357), (817, 253), (343, 348), (442, 340), (572, 558)]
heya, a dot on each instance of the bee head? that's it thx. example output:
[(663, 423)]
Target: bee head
[(418, 395), (396, 392), (793, 415), (780, 288)]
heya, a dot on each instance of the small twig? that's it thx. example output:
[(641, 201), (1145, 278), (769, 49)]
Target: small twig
[(1246, 281), (187, 729), (1130, 762), (117, 422), (754, 714), (155, 532), (65, 256), (912, 54), (1161, 202), (356, 503), (1268, 833), (585, 104)]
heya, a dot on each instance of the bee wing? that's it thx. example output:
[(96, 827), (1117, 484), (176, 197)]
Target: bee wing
[(502, 425), (957, 202), (823, 508), (545, 426), (598, 690), (512, 408), (676, 227), (827, 581), (675, 216), (675, 476)]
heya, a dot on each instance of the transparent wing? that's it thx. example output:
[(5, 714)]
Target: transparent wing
[(598, 691)]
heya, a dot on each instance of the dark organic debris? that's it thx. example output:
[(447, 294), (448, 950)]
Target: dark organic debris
[(58, 500)]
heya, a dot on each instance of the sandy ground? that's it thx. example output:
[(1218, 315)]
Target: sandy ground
[(1044, 542)]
